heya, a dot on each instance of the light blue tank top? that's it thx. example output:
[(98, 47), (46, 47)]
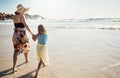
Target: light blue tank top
[(42, 39)]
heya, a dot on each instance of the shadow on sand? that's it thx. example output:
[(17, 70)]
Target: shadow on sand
[(27, 75), (8, 71)]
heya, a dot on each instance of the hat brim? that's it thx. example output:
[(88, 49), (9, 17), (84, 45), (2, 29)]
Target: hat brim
[(25, 9)]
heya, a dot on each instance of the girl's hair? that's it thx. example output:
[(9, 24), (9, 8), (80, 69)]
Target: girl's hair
[(41, 29)]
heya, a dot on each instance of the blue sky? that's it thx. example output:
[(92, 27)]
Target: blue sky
[(66, 8)]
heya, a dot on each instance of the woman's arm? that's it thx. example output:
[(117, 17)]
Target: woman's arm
[(35, 37), (23, 21)]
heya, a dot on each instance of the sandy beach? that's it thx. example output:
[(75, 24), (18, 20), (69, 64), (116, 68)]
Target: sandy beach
[(74, 53), (83, 38)]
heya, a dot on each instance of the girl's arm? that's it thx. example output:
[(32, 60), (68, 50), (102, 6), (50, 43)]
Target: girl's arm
[(23, 21)]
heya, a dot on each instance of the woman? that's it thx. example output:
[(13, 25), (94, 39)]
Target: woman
[(20, 39)]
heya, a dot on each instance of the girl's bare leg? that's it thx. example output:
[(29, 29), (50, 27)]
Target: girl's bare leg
[(44, 65), (39, 65)]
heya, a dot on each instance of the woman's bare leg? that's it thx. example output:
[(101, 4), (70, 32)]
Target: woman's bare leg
[(14, 61), (26, 57)]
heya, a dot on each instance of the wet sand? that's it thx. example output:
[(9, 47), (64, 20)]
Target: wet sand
[(74, 53)]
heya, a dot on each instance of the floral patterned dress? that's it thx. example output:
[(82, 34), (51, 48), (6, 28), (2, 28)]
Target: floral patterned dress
[(20, 39)]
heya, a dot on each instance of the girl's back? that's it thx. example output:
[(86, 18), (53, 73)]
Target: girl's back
[(42, 39)]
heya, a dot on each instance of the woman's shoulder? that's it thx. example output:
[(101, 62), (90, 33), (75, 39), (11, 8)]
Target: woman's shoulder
[(18, 16), (15, 16)]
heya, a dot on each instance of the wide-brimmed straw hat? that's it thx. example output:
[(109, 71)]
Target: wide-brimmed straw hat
[(20, 7)]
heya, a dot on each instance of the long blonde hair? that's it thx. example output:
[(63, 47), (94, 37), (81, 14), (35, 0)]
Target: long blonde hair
[(41, 29)]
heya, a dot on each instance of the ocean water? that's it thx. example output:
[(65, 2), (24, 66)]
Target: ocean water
[(91, 23)]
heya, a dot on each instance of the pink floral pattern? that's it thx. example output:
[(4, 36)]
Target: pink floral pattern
[(20, 41)]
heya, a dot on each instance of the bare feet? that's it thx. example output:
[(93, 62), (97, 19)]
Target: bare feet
[(27, 61), (14, 70), (36, 74)]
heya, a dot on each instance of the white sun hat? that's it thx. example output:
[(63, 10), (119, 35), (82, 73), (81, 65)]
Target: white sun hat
[(20, 6)]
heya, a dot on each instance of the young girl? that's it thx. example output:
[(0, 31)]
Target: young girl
[(41, 47)]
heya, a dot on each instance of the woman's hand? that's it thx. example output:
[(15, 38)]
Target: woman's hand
[(34, 37)]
